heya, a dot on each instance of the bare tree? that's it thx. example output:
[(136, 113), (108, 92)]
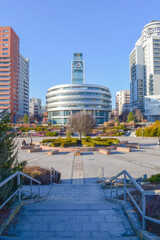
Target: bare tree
[(138, 115), (81, 122)]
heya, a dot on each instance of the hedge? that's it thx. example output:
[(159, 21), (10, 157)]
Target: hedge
[(52, 134), (68, 142)]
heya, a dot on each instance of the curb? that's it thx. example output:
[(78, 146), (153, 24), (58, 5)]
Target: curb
[(10, 217), (134, 221)]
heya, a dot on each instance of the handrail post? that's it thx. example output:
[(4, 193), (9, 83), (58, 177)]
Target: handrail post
[(111, 187), (124, 187), (116, 189), (51, 175), (19, 183), (143, 211), (39, 190), (31, 189)]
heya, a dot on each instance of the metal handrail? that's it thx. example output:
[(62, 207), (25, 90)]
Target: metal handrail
[(142, 191), (19, 190)]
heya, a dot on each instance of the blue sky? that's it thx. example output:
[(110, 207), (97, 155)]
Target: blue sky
[(105, 31)]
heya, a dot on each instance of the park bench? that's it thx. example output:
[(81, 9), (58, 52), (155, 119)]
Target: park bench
[(133, 145), (77, 153), (53, 152), (28, 146), (123, 149), (38, 149), (104, 151)]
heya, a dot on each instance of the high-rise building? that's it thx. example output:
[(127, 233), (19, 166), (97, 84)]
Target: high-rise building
[(9, 70), (13, 75), (65, 100), (78, 69), (35, 107), (23, 100), (145, 66), (122, 102)]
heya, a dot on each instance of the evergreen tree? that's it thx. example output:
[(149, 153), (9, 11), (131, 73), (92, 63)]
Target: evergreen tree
[(8, 156), (8, 152), (25, 118), (130, 117)]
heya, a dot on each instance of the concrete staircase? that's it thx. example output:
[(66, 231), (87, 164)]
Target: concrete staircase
[(71, 212)]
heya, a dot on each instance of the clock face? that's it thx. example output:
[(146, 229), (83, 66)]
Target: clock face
[(78, 64)]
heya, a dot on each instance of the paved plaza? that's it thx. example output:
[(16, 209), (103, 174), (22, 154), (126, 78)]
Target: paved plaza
[(146, 160), (77, 208)]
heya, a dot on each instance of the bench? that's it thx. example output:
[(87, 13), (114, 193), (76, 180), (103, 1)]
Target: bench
[(27, 147), (77, 153), (123, 142), (123, 149), (53, 152), (35, 150), (133, 145), (104, 151)]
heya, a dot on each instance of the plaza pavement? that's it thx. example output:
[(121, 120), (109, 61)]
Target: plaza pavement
[(146, 160), (78, 208)]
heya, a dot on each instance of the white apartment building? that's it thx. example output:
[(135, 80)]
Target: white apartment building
[(23, 86), (122, 102), (35, 106), (145, 66), (152, 107)]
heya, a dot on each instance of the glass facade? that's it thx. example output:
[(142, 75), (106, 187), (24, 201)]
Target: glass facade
[(94, 99), (78, 69)]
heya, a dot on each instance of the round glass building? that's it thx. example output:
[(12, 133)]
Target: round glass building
[(65, 100)]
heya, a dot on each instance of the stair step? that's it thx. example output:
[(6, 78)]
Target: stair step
[(50, 238)]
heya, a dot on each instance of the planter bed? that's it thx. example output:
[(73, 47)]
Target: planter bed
[(81, 149)]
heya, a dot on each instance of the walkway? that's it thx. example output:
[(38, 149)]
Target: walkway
[(71, 212)]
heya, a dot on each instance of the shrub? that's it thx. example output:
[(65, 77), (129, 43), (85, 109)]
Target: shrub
[(52, 134), (154, 179), (55, 144), (66, 144), (151, 131), (69, 133), (87, 139), (88, 144), (40, 174), (48, 140)]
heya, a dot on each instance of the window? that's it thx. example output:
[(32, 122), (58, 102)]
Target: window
[(5, 53), (5, 86), (4, 76), (5, 44), (4, 100), (5, 35), (5, 31), (4, 71), (5, 95), (5, 40), (4, 49)]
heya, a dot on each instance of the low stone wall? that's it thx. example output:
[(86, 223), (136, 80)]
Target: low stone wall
[(81, 149)]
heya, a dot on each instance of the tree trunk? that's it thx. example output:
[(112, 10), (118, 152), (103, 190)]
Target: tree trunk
[(80, 135)]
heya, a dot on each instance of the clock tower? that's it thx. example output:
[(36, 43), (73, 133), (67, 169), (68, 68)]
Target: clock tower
[(78, 69)]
